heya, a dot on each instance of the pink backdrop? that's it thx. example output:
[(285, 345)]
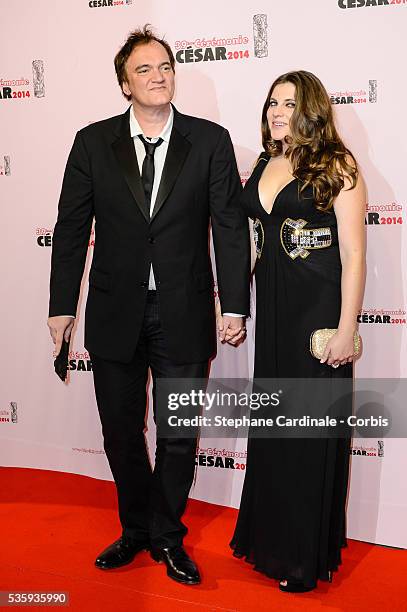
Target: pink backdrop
[(57, 76)]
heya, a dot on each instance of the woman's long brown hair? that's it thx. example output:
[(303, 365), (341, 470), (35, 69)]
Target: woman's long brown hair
[(316, 151)]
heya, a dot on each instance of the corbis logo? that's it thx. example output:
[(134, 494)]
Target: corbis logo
[(5, 168), (103, 3), (215, 458), (382, 316), (44, 236), (359, 96), (10, 414), (368, 451), (348, 4), (18, 89), (384, 214)]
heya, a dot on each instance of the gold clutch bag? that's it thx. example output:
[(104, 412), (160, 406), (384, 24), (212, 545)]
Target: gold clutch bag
[(320, 338)]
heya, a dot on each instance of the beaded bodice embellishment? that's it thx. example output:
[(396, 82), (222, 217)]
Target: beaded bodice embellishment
[(297, 241), (258, 233)]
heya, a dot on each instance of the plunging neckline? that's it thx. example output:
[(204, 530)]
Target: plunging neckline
[(279, 192)]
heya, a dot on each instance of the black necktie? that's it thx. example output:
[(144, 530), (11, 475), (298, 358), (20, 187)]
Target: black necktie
[(147, 171)]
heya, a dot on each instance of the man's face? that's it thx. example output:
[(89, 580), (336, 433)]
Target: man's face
[(150, 78)]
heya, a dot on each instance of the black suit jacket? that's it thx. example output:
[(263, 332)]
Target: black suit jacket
[(199, 184)]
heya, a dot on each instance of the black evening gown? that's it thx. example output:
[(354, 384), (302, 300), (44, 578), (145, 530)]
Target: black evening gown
[(291, 522)]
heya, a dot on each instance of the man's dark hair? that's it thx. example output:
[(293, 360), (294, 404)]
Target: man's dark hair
[(138, 37)]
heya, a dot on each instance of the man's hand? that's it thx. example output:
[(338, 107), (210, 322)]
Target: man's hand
[(234, 329), (60, 327), (230, 329)]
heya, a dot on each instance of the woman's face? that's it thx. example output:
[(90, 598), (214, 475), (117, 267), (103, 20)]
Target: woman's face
[(282, 104)]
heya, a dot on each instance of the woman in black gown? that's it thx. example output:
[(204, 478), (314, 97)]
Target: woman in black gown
[(291, 523)]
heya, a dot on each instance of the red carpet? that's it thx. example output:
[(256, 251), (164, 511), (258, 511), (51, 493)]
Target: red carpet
[(53, 525)]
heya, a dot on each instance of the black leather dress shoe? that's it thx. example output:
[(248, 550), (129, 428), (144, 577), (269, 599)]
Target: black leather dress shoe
[(120, 553), (295, 587), (180, 566)]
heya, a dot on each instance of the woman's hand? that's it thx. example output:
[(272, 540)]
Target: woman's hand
[(339, 350)]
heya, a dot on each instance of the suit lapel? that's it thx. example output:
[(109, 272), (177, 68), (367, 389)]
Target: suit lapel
[(125, 153), (178, 149)]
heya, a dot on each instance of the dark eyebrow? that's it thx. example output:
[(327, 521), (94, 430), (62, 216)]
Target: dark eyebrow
[(166, 63), (286, 100)]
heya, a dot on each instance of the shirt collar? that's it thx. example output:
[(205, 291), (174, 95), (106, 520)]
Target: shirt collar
[(135, 128)]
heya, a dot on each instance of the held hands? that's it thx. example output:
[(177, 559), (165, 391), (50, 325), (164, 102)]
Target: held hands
[(60, 327), (339, 350), (230, 329)]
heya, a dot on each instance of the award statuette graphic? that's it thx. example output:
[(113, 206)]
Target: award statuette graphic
[(38, 78), (7, 167), (13, 412), (260, 35), (373, 91), (380, 448)]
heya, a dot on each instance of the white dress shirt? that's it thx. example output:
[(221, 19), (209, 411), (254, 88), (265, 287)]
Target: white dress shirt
[(159, 158)]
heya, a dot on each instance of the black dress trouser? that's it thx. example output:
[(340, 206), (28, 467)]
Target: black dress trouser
[(151, 503)]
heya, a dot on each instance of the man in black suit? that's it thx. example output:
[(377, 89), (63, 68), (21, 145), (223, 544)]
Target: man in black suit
[(152, 179)]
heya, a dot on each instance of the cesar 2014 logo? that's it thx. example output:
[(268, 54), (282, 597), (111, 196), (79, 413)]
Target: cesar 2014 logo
[(44, 236), (106, 3), (10, 415), (356, 97), (17, 89), (349, 4), (224, 48), (368, 451)]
